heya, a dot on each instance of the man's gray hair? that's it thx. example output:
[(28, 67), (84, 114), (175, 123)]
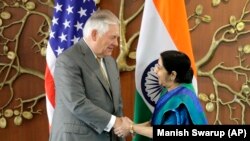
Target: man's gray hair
[(100, 20)]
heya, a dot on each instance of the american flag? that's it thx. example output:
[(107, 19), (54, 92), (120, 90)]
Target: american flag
[(67, 28)]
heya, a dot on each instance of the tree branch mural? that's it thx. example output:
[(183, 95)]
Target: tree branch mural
[(227, 33), (11, 68)]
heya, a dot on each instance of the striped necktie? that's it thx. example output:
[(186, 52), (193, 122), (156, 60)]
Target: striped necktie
[(102, 69)]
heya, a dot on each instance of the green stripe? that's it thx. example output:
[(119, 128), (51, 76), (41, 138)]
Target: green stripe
[(141, 114)]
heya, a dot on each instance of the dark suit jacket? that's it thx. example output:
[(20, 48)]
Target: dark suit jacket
[(84, 100)]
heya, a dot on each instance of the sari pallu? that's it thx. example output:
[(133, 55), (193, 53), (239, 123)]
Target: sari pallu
[(183, 104)]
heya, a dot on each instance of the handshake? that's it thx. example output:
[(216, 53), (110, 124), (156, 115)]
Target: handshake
[(123, 126)]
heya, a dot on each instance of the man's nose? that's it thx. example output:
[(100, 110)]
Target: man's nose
[(116, 42)]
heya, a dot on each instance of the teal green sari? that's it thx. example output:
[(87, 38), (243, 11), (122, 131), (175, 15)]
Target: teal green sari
[(179, 106)]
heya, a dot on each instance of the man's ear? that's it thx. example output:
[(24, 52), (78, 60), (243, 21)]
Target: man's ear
[(94, 35)]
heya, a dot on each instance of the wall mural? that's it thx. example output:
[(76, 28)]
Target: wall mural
[(226, 34), (12, 27)]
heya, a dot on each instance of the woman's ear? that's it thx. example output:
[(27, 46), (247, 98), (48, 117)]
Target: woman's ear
[(173, 75)]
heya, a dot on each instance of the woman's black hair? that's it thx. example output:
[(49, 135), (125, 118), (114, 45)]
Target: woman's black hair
[(180, 63)]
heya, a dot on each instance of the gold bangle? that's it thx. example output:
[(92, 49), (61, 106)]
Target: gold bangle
[(131, 129)]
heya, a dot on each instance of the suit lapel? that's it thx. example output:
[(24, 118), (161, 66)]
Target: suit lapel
[(112, 81), (93, 64)]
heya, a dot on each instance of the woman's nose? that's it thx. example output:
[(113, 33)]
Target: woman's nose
[(156, 69)]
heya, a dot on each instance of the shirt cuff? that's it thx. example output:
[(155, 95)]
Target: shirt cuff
[(110, 124)]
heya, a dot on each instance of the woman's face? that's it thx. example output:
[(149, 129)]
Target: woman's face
[(164, 78)]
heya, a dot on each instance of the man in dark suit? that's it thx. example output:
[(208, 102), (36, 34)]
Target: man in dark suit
[(88, 97)]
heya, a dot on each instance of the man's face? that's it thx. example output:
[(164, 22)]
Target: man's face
[(107, 42)]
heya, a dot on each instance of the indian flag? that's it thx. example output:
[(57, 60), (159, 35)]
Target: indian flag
[(164, 27)]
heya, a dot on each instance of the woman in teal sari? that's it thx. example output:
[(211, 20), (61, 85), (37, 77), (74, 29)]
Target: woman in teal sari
[(179, 105)]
